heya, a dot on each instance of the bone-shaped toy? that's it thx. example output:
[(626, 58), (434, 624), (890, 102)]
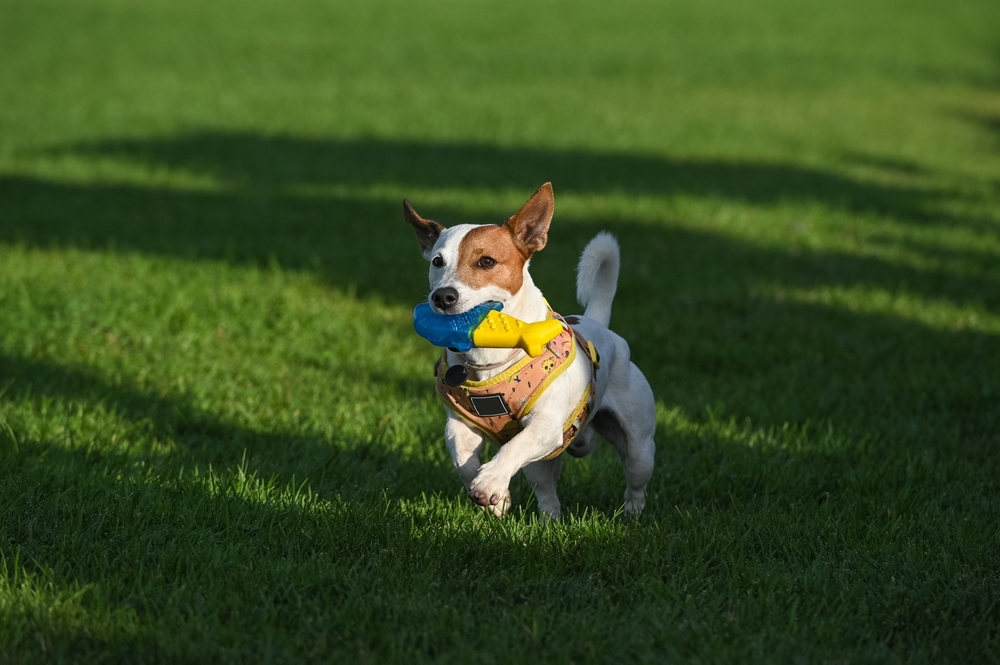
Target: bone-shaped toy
[(484, 327)]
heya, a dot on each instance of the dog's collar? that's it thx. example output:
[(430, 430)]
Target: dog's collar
[(510, 356)]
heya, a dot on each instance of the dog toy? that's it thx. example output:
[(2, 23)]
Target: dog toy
[(484, 327)]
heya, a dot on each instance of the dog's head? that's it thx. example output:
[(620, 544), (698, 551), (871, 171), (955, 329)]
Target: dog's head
[(473, 264)]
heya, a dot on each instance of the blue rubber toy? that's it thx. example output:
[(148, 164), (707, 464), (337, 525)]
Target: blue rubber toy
[(451, 330)]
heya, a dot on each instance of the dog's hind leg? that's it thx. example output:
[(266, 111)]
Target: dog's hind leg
[(628, 422), (584, 443), (638, 464), (543, 476)]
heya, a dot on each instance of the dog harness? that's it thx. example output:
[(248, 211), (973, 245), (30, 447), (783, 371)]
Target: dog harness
[(497, 405)]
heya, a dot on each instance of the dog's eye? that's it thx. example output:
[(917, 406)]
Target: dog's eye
[(487, 262), (437, 262)]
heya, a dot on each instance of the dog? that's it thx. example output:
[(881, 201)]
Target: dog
[(473, 264)]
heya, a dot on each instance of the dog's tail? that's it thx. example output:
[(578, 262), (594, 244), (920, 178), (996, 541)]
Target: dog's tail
[(597, 276)]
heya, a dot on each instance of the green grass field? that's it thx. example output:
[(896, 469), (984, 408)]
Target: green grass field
[(218, 438)]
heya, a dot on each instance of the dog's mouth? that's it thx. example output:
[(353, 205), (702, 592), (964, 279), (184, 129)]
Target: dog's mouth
[(486, 304), (446, 301)]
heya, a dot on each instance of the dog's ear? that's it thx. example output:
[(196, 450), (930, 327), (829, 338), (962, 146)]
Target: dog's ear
[(529, 226), (427, 231)]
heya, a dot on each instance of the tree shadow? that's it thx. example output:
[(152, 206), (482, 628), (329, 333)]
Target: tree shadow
[(361, 246), (689, 302), (171, 432), (204, 561), (254, 161)]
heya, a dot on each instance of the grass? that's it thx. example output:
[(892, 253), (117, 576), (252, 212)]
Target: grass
[(218, 440)]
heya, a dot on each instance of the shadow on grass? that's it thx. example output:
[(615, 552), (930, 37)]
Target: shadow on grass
[(362, 246), (686, 300), (181, 567), (254, 161), (169, 431), (178, 570)]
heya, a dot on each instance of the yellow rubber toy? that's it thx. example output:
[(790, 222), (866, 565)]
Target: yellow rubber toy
[(499, 331)]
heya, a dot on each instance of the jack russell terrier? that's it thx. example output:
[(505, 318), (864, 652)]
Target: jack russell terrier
[(535, 408)]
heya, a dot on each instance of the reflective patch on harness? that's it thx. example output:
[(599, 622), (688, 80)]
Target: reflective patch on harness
[(487, 406)]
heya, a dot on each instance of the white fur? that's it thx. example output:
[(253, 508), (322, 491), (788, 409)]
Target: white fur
[(624, 410), (597, 277)]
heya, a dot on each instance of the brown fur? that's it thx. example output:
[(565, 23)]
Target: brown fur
[(511, 245), (495, 242), (427, 230)]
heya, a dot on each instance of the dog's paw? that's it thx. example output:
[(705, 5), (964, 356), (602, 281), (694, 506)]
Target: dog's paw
[(499, 509), (634, 502), (489, 490), (546, 516)]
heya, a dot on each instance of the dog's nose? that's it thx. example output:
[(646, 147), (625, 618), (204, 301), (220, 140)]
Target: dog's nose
[(445, 297)]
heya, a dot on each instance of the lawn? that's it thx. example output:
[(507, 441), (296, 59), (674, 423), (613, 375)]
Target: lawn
[(218, 435)]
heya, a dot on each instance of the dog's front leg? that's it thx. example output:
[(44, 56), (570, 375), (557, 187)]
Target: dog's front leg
[(540, 437), (465, 443)]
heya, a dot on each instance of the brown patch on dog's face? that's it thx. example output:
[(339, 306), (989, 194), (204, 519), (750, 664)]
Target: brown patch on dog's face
[(495, 255), (487, 255)]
